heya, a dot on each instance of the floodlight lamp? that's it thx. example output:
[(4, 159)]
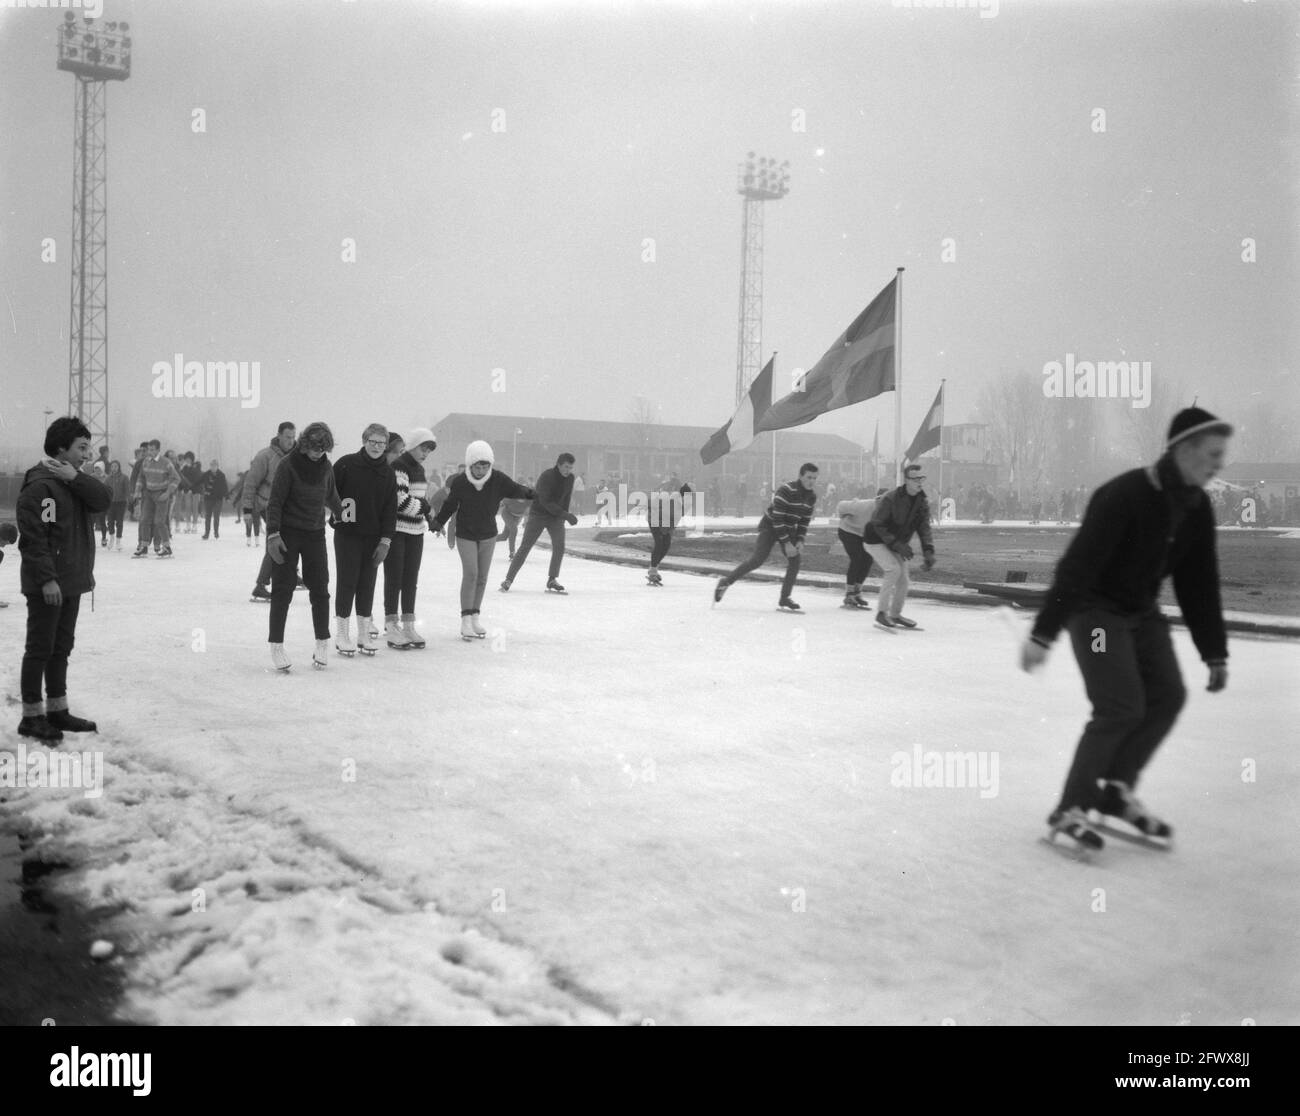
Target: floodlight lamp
[(68, 17)]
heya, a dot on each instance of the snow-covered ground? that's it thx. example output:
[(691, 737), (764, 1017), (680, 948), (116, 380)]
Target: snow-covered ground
[(626, 806)]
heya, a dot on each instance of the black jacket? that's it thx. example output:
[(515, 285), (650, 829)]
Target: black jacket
[(55, 536), (371, 487), (300, 493), (897, 517), (214, 486), (476, 509), (1141, 526), (554, 490)]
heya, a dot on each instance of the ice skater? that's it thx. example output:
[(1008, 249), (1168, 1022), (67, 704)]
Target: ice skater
[(363, 536), (666, 506), (1138, 528), (295, 515), (256, 493), (887, 537), (785, 523), (402, 565), (549, 513), (57, 544), (513, 512), (473, 498), (156, 488), (854, 515)]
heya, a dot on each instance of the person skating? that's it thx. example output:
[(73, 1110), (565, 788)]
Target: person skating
[(887, 537), (854, 515), (8, 536), (295, 516), (785, 523), (473, 499), (156, 487), (256, 493), (549, 513), (667, 502), (402, 566), (513, 512), (214, 489), (1140, 527), (119, 495), (363, 536), (57, 544)]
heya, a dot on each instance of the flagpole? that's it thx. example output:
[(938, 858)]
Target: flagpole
[(875, 453), (942, 411), (898, 379), (773, 485)]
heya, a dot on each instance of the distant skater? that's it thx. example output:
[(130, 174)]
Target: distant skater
[(666, 507)]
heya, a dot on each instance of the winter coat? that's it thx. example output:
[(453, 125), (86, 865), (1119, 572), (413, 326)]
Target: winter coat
[(256, 493), (897, 518), (1140, 527), (56, 538), (554, 491), (371, 487), (119, 488), (213, 485), (475, 509), (300, 493), (160, 478), (790, 511)]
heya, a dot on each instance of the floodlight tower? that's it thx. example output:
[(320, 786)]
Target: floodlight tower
[(760, 180), (94, 53)]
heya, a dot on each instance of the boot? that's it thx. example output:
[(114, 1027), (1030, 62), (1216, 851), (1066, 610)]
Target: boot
[(38, 727), (395, 635), (64, 721), (117, 544), (477, 627), (467, 627), (280, 658), (321, 656), (366, 633), (343, 636), (408, 626)]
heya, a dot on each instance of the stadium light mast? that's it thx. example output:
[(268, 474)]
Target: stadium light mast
[(94, 53), (760, 180)]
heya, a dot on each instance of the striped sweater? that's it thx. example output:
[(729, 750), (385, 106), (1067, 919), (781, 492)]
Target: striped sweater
[(412, 496), (791, 510), (158, 476)]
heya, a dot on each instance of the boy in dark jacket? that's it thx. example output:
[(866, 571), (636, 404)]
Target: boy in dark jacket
[(295, 527), (1138, 528), (549, 513), (898, 516), (214, 489), (367, 488), (667, 502), (57, 543), (473, 498)]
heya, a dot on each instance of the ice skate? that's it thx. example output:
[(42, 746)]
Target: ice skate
[(885, 623), (553, 586), (413, 638), (653, 578), (394, 634), (260, 595), (1119, 802), (320, 658), (280, 658), (505, 586), (1074, 825), (141, 552), (467, 628), (902, 622), (479, 631), (343, 643), (367, 636), (787, 604)]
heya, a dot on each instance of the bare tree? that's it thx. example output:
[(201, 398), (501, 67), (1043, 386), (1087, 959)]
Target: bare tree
[(1016, 412), (642, 414)]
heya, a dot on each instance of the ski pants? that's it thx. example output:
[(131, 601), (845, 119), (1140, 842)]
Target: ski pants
[(532, 532), (859, 559), (762, 548), (894, 582), (402, 573), (356, 573), (475, 562), (1131, 676), (51, 633), (310, 547)]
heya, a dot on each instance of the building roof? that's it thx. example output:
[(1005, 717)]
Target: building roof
[(499, 430)]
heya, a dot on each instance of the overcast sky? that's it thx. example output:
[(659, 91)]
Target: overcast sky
[(522, 248)]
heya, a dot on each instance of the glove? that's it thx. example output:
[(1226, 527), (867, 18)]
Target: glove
[(928, 560), (571, 519), (275, 549), (1032, 655), (381, 552), (903, 551), (1218, 676), (433, 526)]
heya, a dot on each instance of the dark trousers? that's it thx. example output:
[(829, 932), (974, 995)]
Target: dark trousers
[(355, 573), (532, 532), (510, 534), (310, 547), (51, 632), (663, 537), (253, 528), (212, 516), (1131, 676), (762, 548), (116, 517), (402, 573), (859, 559)]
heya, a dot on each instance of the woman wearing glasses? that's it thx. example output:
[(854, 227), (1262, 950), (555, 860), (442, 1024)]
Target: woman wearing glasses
[(367, 488)]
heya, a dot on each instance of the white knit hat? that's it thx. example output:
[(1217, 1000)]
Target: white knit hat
[(419, 436), (474, 452)]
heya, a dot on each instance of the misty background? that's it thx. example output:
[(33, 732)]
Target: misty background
[(543, 203)]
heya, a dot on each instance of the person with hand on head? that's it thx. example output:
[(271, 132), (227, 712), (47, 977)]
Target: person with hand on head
[(785, 523), (473, 498), (57, 543), (1139, 528), (887, 537), (549, 513), (295, 528), (363, 535)]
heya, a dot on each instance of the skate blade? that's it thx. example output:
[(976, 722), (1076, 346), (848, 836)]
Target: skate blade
[(318, 664), (368, 652), (1160, 844), (1069, 849), (345, 654)]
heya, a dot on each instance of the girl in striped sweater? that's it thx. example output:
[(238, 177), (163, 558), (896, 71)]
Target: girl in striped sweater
[(402, 566)]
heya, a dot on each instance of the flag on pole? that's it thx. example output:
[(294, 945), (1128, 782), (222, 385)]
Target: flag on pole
[(931, 429), (860, 365), (744, 425), (875, 445)]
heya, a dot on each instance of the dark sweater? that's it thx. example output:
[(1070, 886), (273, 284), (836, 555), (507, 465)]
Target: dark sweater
[(475, 509), (213, 485), (554, 490), (57, 540), (1141, 526), (301, 491), (370, 488)]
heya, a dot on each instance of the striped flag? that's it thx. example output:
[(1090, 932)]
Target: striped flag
[(860, 365), (931, 429), (744, 424)]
